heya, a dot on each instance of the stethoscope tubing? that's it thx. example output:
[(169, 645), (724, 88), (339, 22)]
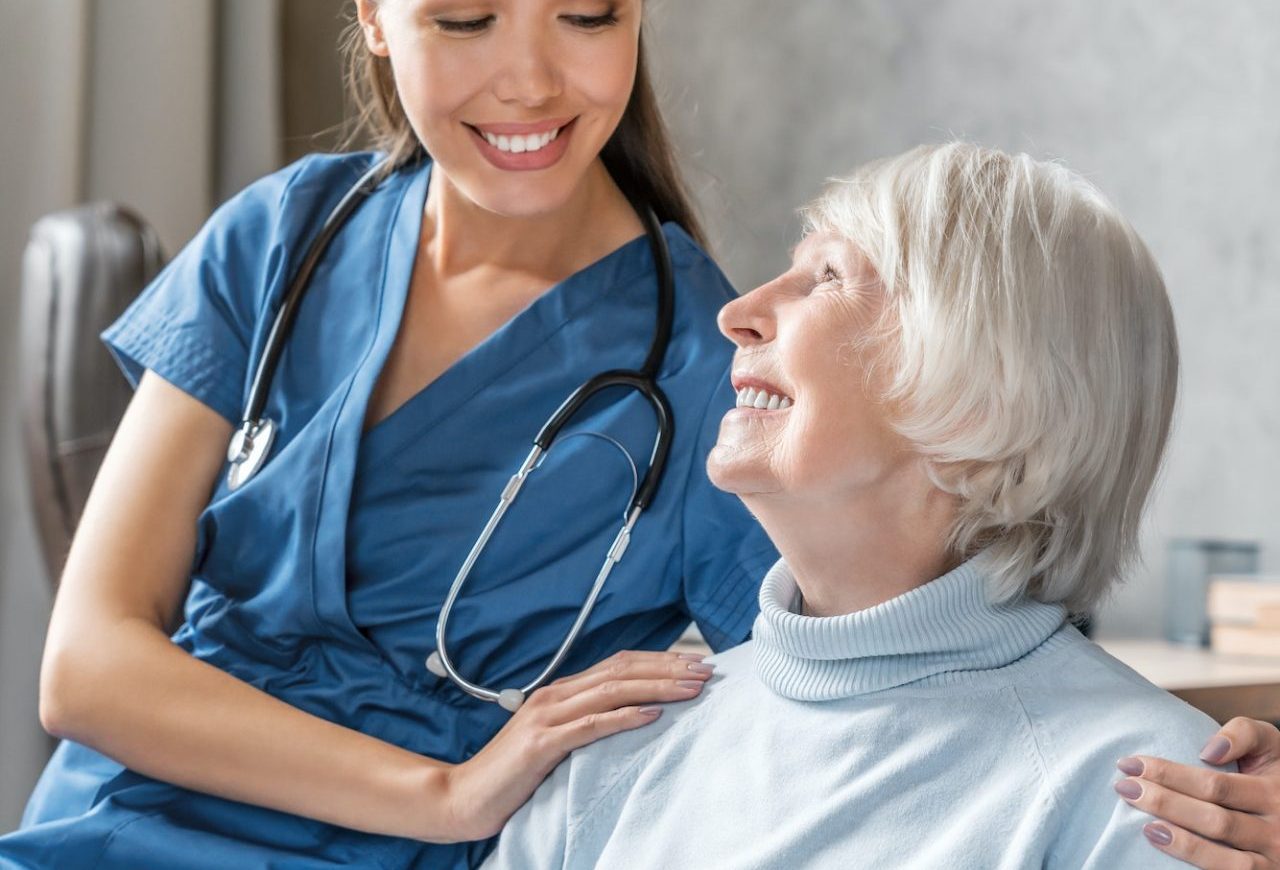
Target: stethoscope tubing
[(251, 444)]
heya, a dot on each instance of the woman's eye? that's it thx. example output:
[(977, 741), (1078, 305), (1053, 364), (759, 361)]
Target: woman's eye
[(592, 22), (472, 25)]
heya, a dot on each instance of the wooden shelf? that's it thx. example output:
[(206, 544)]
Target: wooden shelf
[(1223, 686)]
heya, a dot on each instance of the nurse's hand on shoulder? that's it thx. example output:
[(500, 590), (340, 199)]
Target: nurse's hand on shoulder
[(1213, 819), (616, 695)]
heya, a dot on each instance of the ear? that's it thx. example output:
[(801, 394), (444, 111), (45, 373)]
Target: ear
[(369, 13)]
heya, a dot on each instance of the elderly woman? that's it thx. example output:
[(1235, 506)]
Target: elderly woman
[(951, 411)]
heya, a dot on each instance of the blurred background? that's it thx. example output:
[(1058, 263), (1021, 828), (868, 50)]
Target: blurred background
[(1169, 107)]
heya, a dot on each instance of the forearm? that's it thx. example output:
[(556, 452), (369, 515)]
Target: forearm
[(146, 703)]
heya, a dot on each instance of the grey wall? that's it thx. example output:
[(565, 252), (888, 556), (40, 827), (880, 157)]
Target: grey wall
[(97, 101), (1170, 107), (39, 115)]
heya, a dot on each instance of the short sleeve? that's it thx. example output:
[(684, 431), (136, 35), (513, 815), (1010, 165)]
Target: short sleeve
[(194, 324), (726, 553)]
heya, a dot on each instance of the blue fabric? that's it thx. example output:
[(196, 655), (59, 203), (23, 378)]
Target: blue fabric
[(320, 580)]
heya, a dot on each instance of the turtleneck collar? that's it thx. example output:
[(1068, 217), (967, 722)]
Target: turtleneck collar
[(943, 627)]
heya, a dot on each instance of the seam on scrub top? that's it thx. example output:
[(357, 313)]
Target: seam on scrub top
[(180, 356), (288, 265), (337, 418), (106, 844)]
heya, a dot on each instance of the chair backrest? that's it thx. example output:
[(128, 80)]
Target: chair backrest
[(81, 269)]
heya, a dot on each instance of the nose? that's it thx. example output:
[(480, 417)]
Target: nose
[(748, 320), (530, 75)]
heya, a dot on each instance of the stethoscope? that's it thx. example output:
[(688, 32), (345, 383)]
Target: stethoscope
[(251, 443)]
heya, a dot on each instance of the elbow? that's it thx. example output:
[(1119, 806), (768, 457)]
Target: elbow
[(61, 698)]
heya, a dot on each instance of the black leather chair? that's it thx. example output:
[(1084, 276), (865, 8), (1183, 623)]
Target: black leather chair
[(81, 269)]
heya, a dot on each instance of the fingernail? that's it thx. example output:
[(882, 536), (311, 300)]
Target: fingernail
[(1130, 765), (702, 668), (1157, 834), (1215, 750), (690, 684), (690, 657), (651, 711), (1129, 789)]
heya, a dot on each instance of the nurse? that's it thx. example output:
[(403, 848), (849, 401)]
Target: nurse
[(289, 720)]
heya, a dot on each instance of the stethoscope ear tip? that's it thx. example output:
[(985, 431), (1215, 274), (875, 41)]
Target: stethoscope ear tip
[(510, 699)]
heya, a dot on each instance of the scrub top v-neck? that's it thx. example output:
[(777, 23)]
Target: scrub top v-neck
[(320, 581)]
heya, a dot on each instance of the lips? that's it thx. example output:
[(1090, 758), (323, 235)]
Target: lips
[(523, 147)]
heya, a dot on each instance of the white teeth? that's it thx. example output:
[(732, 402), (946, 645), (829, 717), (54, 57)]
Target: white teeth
[(521, 144), (750, 397)]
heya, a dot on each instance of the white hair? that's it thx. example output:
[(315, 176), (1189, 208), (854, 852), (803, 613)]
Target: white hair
[(1031, 358)]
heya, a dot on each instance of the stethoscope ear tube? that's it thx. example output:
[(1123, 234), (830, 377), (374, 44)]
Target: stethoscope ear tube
[(249, 448), (643, 381), (648, 388)]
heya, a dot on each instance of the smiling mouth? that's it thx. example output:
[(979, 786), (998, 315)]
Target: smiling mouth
[(521, 144), (761, 400), (510, 142)]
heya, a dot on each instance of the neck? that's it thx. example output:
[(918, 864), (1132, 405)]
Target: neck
[(461, 237), (850, 553)]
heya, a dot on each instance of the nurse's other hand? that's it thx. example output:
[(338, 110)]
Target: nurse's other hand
[(1212, 819), (616, 695)]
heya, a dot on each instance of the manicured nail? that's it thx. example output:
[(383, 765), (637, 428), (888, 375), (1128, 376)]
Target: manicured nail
[(655, 712), (1215, 750), (1128, 788), (691, 657), (702, 668), (1157, 834), (1130, 765), (690, 684)]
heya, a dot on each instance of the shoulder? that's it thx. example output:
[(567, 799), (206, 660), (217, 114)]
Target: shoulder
[(1086, 706), (699, 355), (735, 673), (705, 283), (600, 771), (291, 194), (1094, 698), (1085, 710)]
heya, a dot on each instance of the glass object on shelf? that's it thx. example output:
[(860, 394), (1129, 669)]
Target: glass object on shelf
[(1192, 561)]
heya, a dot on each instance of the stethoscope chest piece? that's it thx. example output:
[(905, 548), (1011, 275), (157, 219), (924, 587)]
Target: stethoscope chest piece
[(248, 450)]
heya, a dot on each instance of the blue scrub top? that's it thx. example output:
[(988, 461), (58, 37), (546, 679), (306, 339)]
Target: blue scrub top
[(320, 581)]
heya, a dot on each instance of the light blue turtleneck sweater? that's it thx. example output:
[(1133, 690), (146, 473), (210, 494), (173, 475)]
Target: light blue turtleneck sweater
[(933, 730)]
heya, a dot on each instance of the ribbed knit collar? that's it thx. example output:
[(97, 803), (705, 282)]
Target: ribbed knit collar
[(946, 626)]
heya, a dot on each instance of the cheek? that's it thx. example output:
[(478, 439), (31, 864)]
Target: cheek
[(433, 85), (602, 74)]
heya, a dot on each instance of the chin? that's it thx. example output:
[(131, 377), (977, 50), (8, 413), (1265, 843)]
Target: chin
[(738, 477), (512, 194)]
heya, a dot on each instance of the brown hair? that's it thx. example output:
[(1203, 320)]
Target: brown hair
[(639, 154)]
